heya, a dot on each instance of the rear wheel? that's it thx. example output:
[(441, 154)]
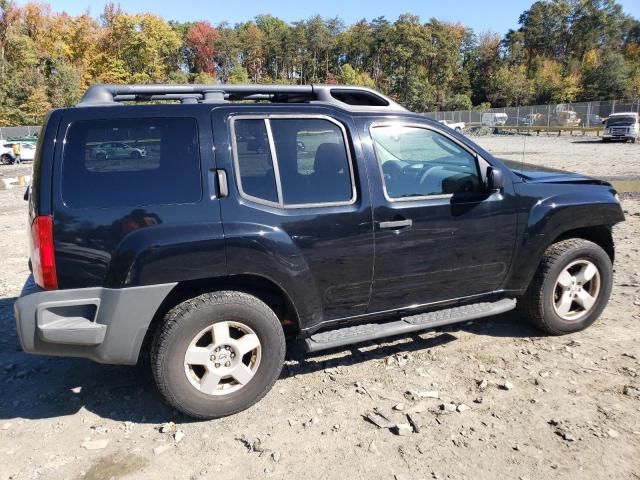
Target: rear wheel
[(570, 288), (217, 354)]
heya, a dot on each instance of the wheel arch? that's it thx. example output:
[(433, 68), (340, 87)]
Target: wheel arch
[(601, 235), (261, 287), (524, 270)]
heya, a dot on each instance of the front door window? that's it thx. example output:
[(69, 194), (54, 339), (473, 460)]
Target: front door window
[(417, 162)]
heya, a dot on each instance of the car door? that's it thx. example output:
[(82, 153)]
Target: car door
[(439, 233), (298, 217), (28, 151), (119, 150)]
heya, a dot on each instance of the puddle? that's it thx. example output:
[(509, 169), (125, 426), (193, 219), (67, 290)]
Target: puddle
[(115, 466), (625, 185)]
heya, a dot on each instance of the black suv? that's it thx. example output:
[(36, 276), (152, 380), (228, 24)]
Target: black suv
[(325, 213)]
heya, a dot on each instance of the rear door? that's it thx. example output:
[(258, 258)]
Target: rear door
[(297, 213)]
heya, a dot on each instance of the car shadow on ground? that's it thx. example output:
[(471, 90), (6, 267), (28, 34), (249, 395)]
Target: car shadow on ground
[(41, 387), (506, 325)]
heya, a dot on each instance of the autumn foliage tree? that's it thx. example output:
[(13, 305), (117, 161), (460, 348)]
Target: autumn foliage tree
[(200, 42), (561, 51)]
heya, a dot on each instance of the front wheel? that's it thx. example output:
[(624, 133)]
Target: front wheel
[(570, 289), (217, 354), (6, 159)]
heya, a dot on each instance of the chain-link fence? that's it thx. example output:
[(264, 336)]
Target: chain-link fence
[(27, 131), (579, 115)]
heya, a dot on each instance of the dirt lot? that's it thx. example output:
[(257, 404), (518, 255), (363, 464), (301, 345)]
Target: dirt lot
[(564, 407), (585, 154)]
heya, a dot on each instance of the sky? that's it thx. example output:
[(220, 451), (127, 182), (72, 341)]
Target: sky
[(481, 15)]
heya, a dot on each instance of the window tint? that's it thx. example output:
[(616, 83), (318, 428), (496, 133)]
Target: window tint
[(420, 162), (131, 162), (313, 162), (257, 177)]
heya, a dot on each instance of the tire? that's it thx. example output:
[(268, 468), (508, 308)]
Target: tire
[(135, 154), (458, 129), (182, 384), (6, 159), (606, 140), (101, 156), (539, 304)]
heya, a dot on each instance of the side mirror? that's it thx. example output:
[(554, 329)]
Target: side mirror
[(495, 179)]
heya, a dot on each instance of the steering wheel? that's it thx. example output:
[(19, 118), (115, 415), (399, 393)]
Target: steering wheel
[(425, 176)]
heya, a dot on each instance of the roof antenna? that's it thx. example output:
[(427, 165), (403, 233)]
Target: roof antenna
[(524, 148)]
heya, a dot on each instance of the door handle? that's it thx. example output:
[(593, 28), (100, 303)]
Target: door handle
[(397, 224), (223, 185)]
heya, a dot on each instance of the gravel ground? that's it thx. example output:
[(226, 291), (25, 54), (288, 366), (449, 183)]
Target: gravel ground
[(577, 153), (525, 406)]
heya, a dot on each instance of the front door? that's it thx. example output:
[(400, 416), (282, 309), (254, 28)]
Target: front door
[(439, 233)]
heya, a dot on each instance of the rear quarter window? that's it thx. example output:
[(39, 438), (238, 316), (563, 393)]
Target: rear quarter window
[(131, 162)]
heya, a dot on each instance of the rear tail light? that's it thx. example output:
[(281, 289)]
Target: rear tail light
[(43, 258)]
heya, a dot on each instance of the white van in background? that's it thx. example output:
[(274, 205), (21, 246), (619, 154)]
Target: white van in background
[(621, 126), (494, 119)]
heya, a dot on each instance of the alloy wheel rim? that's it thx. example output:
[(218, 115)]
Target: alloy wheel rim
[(576, 290), (222, 358)]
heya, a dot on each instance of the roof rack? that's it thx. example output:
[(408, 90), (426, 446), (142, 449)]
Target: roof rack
[(350, 97)]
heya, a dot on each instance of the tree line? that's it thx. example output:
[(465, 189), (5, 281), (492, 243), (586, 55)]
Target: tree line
[(562, 51)]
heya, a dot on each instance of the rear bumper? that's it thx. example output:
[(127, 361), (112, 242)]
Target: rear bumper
[(102, 324)]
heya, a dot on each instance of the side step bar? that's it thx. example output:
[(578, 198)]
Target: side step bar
[(414, 323)]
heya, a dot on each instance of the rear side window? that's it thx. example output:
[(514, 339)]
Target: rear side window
[(131, 162), (257, 177), (310, 164), (313, 161)]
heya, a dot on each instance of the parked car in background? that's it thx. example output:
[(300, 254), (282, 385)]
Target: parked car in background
[(517, 122), (457, 126), (494, 119), (621, 126), (531, 119), (28, 151), (116, 150)]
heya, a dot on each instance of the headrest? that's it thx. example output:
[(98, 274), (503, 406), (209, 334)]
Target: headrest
[(330, 159)]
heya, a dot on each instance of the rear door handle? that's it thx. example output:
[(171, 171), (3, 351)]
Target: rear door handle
[(397, 224), (223, 185)]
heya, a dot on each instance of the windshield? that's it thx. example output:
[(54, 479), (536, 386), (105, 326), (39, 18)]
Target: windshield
[(620, 121)]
